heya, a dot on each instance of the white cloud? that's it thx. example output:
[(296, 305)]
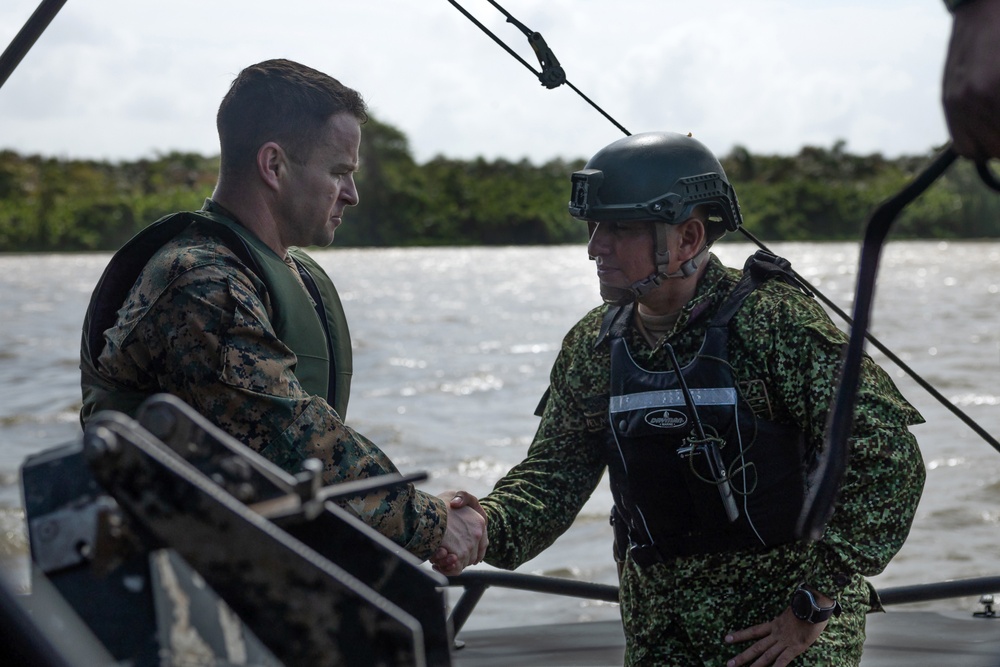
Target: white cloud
[(123, 80)]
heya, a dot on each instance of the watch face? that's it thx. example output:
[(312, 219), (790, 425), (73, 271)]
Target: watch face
[(802, 604)]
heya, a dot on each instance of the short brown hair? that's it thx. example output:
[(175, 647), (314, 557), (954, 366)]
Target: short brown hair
[(281, 101)]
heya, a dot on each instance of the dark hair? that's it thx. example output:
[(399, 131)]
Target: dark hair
[(281, 101)]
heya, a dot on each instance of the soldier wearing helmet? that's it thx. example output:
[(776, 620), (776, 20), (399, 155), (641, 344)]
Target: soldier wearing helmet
[(654, 177), (703, 391)]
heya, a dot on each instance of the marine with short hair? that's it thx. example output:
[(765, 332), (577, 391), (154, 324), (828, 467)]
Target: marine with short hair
[(220, 307)]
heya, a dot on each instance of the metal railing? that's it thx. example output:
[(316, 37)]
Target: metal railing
[(475, 585)]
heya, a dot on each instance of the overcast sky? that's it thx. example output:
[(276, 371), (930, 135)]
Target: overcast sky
[(124, 79)]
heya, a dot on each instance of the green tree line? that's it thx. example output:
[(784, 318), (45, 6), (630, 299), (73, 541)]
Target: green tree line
[(53, 204)]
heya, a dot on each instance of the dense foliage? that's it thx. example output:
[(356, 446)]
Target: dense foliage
[(51, 204), (827, 194)]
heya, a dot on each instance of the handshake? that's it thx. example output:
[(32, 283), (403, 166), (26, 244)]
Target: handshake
[(465, 539)]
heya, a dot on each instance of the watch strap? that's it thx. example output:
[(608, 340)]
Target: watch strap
[(805, 607)]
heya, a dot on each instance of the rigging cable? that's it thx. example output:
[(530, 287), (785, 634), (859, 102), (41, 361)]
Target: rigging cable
[(552, 74), (833, 456)]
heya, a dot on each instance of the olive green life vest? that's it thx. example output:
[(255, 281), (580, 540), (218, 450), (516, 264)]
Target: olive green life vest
[(322, 345)]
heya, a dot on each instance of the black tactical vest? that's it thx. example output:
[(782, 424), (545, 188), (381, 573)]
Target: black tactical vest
[(696, 471)]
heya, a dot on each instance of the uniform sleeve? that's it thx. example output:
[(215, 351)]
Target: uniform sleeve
[(885, 472), (208, 340), (539, 498)]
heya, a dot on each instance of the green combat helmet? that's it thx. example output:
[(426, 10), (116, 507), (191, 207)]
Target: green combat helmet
[(659, 177)]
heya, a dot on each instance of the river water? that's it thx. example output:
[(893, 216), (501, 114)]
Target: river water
[(452, 351)]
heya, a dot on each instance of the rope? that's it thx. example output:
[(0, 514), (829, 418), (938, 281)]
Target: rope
[(552, 75)]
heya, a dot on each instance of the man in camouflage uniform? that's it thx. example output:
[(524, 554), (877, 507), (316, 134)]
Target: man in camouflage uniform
[(218, 308), (708, 554)]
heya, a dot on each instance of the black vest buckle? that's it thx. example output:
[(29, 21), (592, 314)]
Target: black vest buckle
[(645, 555)]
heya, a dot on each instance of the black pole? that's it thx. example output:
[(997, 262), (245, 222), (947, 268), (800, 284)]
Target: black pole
[(27, 37), (833, 457), (943, 590)]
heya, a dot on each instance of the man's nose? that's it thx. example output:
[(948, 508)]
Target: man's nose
[(350, 192), (598, 243)]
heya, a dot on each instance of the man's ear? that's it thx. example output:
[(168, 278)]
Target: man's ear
[(271, 164), (691, 238)]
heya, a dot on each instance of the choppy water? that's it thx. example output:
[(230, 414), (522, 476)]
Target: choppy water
[(453, 349)]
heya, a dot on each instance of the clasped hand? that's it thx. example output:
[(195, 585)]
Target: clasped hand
[(465, 538)]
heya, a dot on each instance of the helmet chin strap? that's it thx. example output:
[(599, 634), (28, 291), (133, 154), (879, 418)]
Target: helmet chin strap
[(620, 296)]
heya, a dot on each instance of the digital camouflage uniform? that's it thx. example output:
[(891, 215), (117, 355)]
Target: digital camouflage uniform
[(785, 352), (197, 324)]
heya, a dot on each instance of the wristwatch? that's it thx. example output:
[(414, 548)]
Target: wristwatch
[(805, 608)]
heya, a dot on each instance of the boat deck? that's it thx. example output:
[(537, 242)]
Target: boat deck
[(895, 639)]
